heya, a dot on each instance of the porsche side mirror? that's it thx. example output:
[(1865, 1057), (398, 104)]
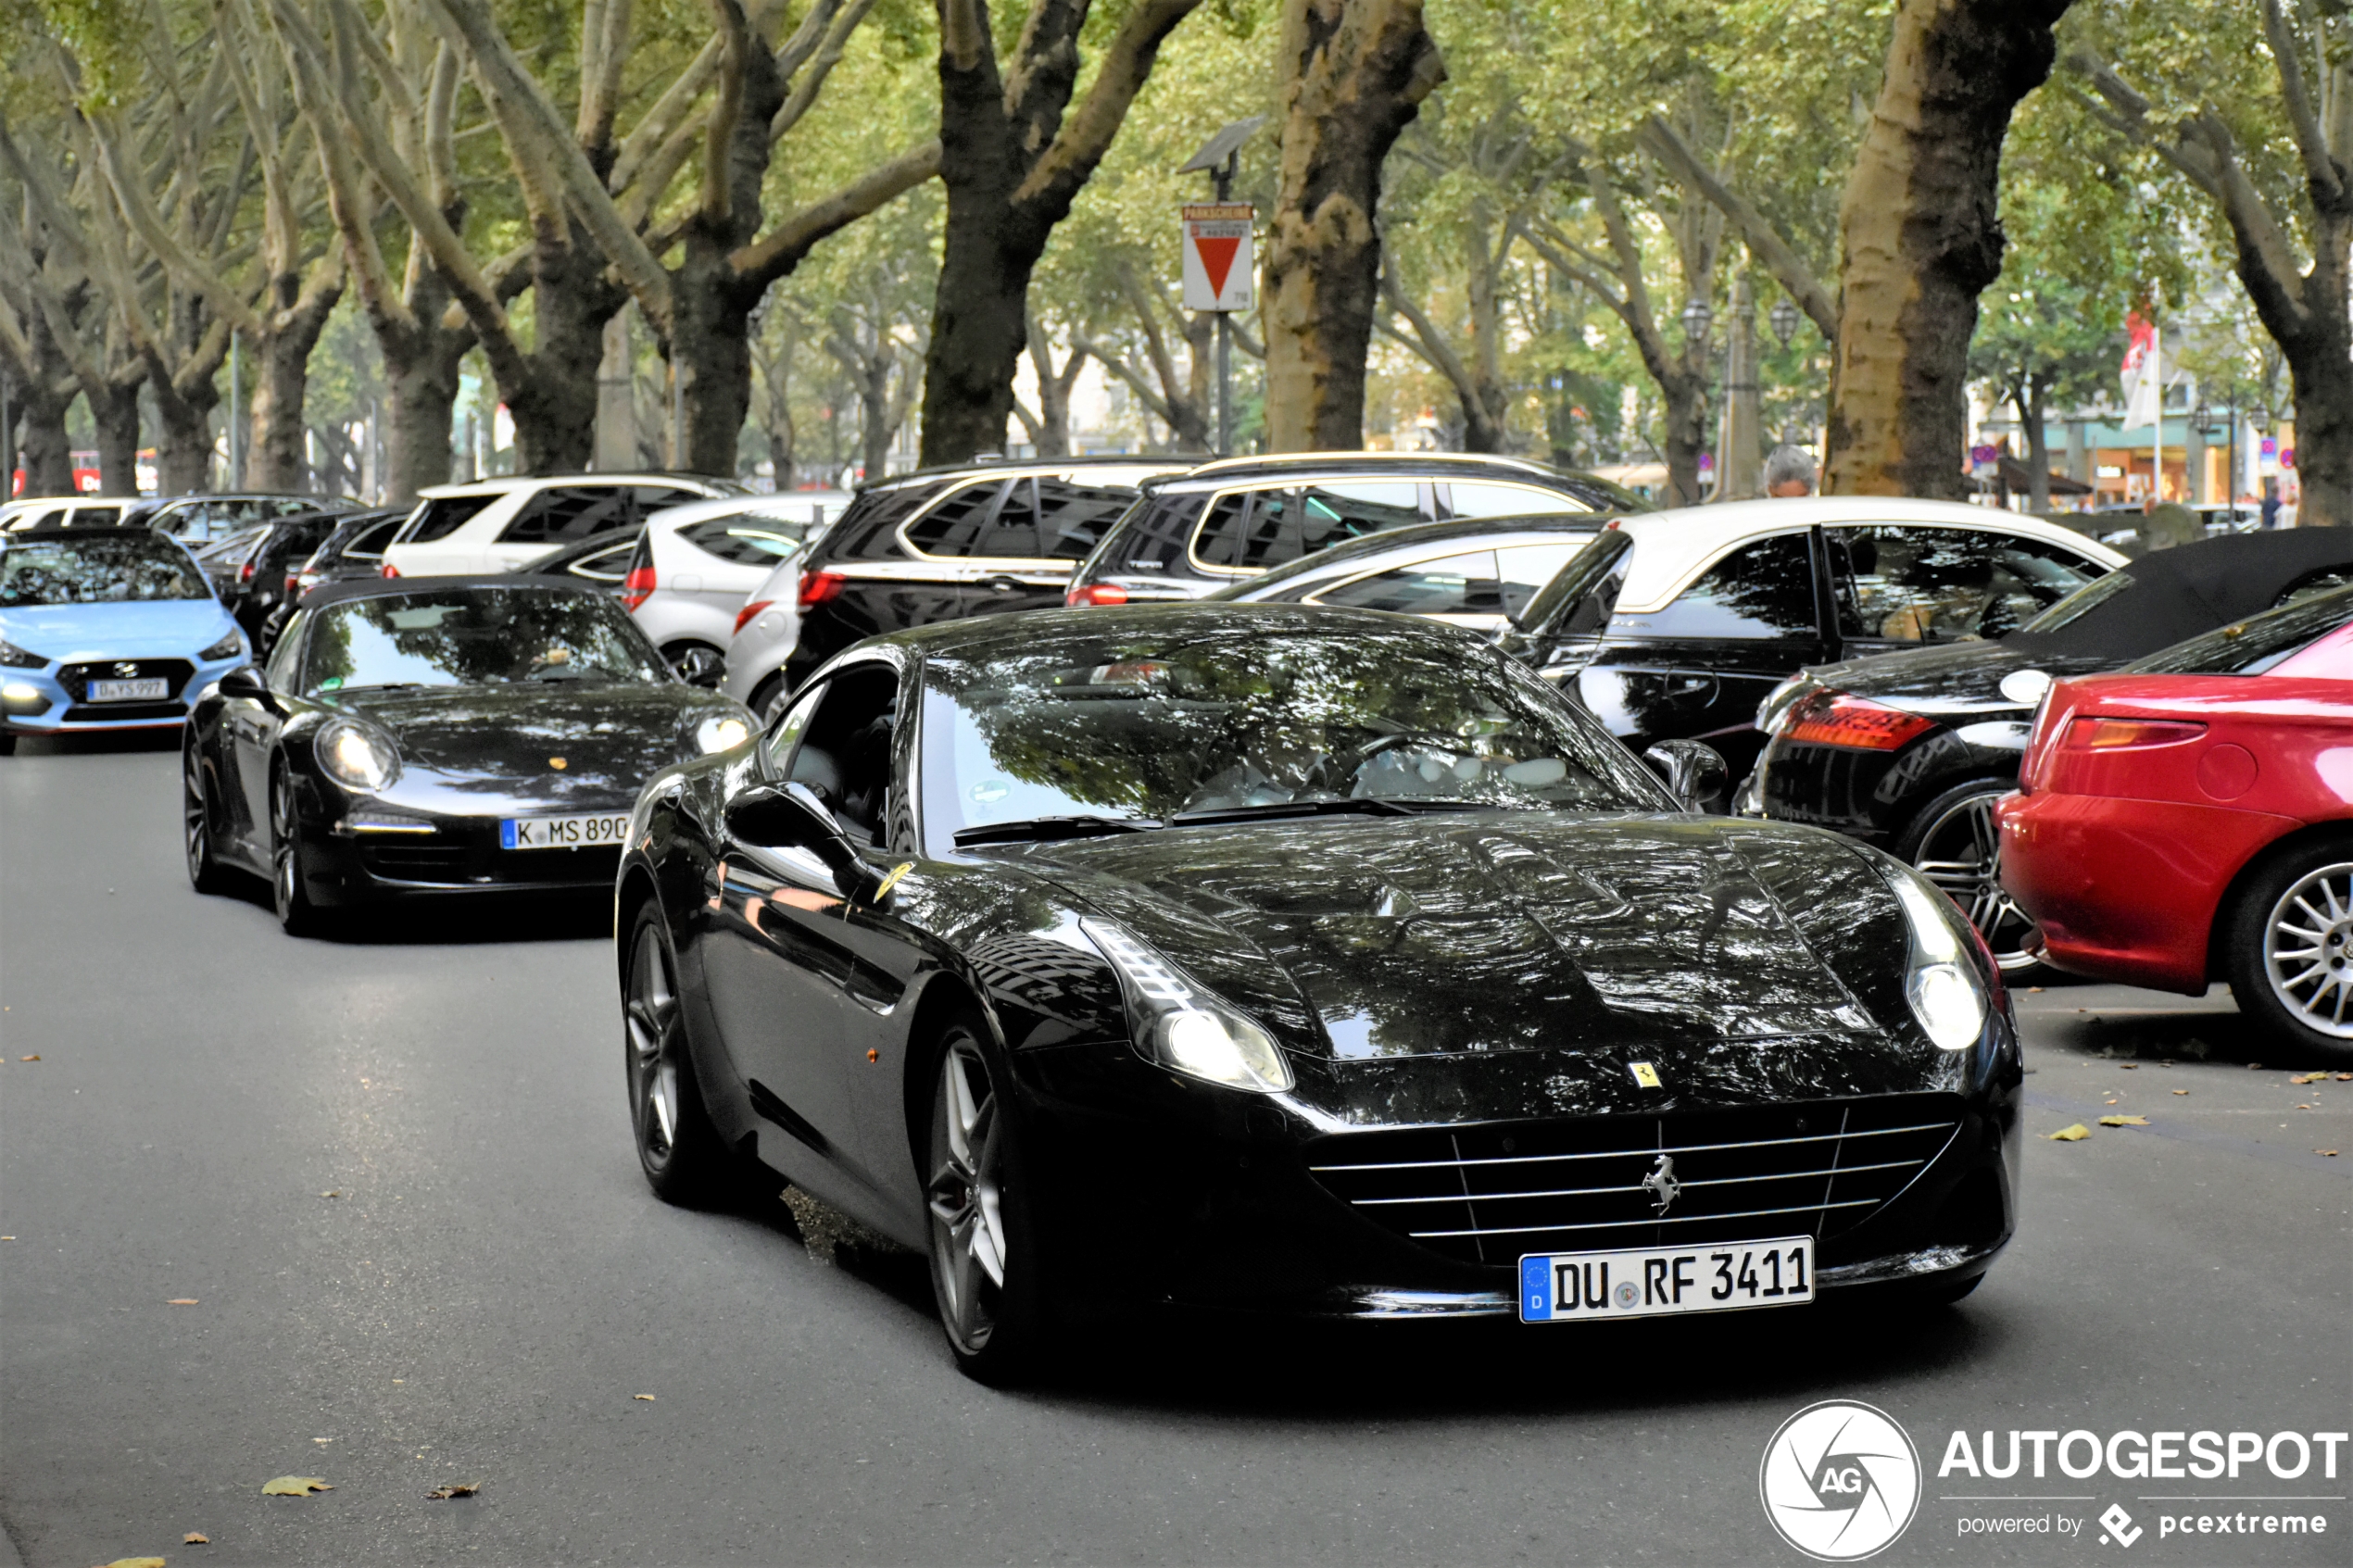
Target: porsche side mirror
[(1694, 770), (791, 817), (246, 681)]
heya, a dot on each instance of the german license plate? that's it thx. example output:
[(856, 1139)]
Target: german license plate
[(129, 691), (564, 833), (1651, 1282)]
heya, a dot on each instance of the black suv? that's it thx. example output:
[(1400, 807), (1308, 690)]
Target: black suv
[(1231, 520), (979, 539)]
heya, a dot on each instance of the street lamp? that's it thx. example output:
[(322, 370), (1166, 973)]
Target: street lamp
[(1783, 318), (1697, 317)]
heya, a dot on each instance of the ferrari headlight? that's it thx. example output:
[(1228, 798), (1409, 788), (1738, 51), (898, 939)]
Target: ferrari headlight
[(356, 758), (1946, 994), (16, 658), (229, 647), (722, 732), (1183, 1024)]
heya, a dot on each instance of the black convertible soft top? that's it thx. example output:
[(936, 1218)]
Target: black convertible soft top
[(337, 592), (2179, 592)]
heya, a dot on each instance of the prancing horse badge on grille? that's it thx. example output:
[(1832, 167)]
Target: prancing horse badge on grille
[(1662, 1186)]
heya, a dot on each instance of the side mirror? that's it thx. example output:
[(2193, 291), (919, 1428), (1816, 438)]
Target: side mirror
[(1694, 770), (791, 817), (246, 681)]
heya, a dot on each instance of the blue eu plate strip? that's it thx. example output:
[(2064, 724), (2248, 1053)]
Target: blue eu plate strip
[(1535, 1290), (507, 835)]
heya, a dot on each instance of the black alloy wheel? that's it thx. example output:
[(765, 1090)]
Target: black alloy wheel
[(677, 1147), (698, 664), (289, 891), (1955, 843), (983, 1266), (2287, 949), (206, 874)]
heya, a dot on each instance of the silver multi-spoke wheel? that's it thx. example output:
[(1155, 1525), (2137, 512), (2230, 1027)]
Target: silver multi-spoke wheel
[(2308, 950), (1960, 850), (968, 1239), (196, 822), (650, 1011)]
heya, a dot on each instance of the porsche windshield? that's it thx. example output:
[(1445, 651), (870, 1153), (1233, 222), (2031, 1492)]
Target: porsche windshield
[(473, 637), (107, 568), (1273, 720)]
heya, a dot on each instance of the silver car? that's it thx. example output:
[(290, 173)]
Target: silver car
[(698, 563)]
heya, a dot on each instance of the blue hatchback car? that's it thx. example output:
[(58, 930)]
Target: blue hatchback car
[(105, 629)]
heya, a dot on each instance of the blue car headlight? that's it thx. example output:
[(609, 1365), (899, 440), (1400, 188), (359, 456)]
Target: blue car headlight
[(229, 647), (16, 658)]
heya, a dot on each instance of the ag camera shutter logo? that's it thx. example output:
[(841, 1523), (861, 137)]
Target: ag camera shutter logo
[(1840, 1481)]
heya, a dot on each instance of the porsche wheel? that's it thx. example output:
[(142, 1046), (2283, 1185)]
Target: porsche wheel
[(206, 874), (677, 1147), (289, 889), (2288, 949), (1954, 844), (984, 1270)]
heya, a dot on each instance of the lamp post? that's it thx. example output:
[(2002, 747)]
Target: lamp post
[(1220, 157), (1783, 318)]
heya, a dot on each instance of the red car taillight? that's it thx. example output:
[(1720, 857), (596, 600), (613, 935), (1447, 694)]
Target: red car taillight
[(638, 587), (1096, 594), (1836, 719), (750, 612), (389, 570), (820, 587), (244, 572), (293, 587), (2107, 735)]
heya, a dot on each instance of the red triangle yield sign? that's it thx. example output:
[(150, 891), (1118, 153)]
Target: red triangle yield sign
[(1217, 258)]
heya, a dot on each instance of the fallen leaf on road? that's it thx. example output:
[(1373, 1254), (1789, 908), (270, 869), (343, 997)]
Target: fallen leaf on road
[(648, 1397), (2124, 1121), (182, 1301), (136, 1562), (196, 1537), (35, 1057), (294, 1486), (2128, 1066), (2301, 1105), (2181, 1091), (2345, 1078), (2076, 1134), (2309, 1078), (2109, 1102), (2255, 1067), (2330, 1152), (456, 1489), (337, 1193)]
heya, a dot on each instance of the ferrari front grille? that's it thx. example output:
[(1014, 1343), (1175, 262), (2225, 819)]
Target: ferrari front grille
[(1487, 1192)]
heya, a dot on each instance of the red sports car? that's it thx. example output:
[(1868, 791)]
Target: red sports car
[(2191, 820)]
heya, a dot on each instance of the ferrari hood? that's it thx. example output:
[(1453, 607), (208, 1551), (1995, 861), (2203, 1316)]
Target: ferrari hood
[(1500, 931)]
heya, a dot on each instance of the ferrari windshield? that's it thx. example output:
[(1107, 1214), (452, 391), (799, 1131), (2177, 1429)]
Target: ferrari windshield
[(1266, 719), (97, 568), (473, 637)]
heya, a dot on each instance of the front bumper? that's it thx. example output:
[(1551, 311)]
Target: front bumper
[(1243, 1203), (52, 700), (346, 863)]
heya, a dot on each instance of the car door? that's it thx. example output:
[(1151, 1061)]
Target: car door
[(787, 986), (249, 735), (1901, 585), (1698, 667)]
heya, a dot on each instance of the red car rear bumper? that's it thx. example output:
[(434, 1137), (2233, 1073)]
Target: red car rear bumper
[(2127, 890)]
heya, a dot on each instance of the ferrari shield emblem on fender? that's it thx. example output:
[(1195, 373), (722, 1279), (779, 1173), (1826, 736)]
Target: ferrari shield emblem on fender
[(1645, 1074)]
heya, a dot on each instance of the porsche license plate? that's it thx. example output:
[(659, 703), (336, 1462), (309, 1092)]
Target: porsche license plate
[(129, 691), (1648, 1282), (564, 833)]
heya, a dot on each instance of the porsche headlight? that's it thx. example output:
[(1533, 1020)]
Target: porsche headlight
[(1182, 1024), (229, 647), (356, 758), (722, 732), (1946, 994)]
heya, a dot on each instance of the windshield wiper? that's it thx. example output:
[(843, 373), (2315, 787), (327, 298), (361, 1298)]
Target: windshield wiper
[(1358, 804), (1040, 829)]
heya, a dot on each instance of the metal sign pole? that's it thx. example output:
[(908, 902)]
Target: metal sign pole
[(1224, 183)]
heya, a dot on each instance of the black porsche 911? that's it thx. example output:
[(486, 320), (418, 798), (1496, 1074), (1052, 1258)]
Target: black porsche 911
[(437, 735), (1299, 960)]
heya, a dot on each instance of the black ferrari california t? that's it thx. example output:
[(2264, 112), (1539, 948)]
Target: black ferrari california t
[(1296, 960), (433, 735)]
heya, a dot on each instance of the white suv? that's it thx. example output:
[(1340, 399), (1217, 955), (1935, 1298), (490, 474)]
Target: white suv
[(505, 524)]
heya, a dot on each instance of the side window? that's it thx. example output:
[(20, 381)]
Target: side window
[(953, 529), (1011, 529), (1242, 529), (1072, 516), (368, 544), (1333, 514), (1763, 590), (844, 750), (559, 515), (1152, 536), (1252, 530), (1505, 500), (285, 659), (1523, 569), (441, 517), (1463, 585), (1945, 584), (745, 540), (777, 747)]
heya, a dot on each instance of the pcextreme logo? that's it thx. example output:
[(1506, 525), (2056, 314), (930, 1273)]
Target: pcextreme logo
[(1840, 1480)]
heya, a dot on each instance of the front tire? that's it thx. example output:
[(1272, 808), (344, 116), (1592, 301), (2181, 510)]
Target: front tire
[(985, 1268), (2288, 949), (1954, 843), (677, 1147), (290, 890), (206, 874)]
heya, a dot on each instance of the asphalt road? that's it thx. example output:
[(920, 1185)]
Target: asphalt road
[(393, 1175)]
